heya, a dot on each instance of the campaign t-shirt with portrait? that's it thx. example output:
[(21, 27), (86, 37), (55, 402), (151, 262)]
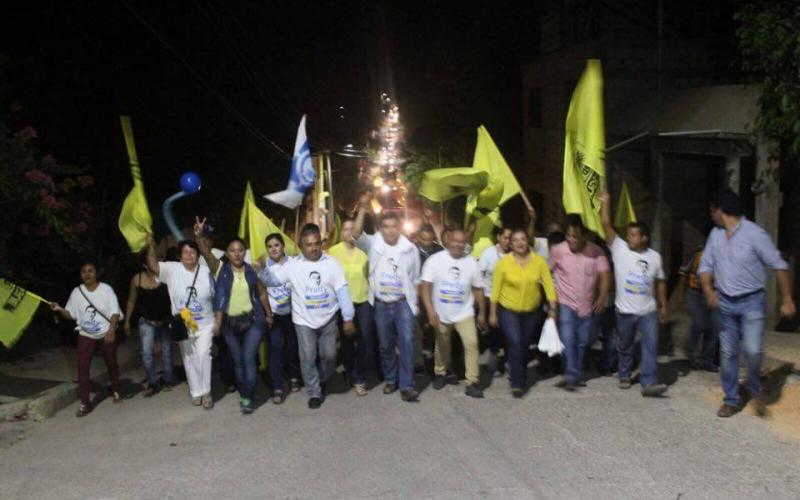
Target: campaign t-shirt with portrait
[(280, 297), (179, 283), (389, 285), (313, 285), (635, 276), (453, 281), (89, 317)]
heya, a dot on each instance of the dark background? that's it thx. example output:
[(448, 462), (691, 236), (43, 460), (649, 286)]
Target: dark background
[(209, 83)]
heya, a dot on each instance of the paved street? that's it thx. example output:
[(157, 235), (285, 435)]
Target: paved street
[(600, 442)]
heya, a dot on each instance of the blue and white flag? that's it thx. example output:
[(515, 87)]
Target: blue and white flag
[(302, 175)]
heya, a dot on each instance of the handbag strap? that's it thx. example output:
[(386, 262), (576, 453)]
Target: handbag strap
[(80, 289), (189, 298)]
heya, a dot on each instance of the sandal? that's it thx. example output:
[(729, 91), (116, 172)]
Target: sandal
[(278, 396)]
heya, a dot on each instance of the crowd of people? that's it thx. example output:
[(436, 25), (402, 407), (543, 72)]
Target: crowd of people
[(382, 301)]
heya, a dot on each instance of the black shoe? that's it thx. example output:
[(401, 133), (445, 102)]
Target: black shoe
[(83, 410), (710, 367), (580, 383), (314, 403), (624, 383), (569, 386), (654, 390), (409, 395), (726, 411), (438, 382), (149, 391), (517, 392), (389, 388), (474, 391)]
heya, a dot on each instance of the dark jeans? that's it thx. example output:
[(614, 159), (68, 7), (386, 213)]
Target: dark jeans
[(86, 347), (518, 328), (151, 333), (647, 326), (283, 351), (605, 327), (243, 346), (358, 351), (396, 327), (704, 329)]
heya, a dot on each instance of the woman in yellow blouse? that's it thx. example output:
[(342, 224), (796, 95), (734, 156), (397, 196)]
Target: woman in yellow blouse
[(515, 303), (356, 352)]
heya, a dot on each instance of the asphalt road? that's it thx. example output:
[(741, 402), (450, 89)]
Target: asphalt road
[(597, 443)]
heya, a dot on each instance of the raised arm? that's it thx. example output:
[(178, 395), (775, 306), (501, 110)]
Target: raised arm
[(605, 217), (363, 207), (531, 229), (202, 244), (151, 259)]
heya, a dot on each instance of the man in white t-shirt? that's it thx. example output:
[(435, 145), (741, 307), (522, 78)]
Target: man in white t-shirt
[(319, 291), (451, 284), (638, 273), (393, 279)]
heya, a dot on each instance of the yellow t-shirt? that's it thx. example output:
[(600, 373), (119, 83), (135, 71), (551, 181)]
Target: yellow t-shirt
[(356, 270), (517, 288), (240, 296)]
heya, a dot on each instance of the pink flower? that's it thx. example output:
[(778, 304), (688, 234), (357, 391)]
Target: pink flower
[(49, 201), (49, 161), (81, 227), (85, 180), (27, 133), (36, 176)]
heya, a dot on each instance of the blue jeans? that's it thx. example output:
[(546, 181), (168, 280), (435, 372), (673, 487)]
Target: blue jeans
[(605, 325), (396, 326), (741, 318), (149, 334), (705, 327), (647, 325), (574, 332), (314, 342), (359, 352), (283, 351), (243, 346), (518, 329)]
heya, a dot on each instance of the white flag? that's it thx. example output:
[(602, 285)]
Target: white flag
[(302, 175)]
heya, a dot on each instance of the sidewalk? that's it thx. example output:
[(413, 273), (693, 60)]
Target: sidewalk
[(39, 385)]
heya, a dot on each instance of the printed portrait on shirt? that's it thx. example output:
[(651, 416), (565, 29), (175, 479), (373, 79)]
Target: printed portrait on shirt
[(317, 296), (90, 324), (638, 281), (452, 291), (389, 284), (190, 296)]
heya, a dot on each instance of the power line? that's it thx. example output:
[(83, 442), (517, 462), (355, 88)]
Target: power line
[(225, 103)]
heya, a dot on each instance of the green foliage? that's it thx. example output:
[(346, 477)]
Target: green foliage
[(769, 43)]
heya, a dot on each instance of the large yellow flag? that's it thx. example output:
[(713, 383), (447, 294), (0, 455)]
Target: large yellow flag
[(254, 227), (625, 214), (442, 184), (16, 312), (584, 159), (484, 227), (501, 185), (135, 221)]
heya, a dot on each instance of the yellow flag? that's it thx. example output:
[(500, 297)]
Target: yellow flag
[(584, 159), (16, 312), (135, 221), (501, 185), (484, 226), (254, 227), (444, 184), (625, 214)]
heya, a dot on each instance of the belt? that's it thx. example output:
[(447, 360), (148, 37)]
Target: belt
[(388, 302), (742, 296)]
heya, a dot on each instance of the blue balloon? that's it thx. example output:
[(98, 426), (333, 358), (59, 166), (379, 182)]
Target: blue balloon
[(190, 182)]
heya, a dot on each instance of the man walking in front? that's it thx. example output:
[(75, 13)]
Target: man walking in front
[(393, 278), (737, 255), (638, 273), (581, 274), (451, 284), (319, 291)]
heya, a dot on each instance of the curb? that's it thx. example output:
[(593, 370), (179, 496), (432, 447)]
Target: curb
[(50, 401)]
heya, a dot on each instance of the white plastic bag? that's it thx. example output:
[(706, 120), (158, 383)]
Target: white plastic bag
[(549, 342)]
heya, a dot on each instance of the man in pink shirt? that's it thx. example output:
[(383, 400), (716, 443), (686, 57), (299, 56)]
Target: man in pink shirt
[(581, 273)]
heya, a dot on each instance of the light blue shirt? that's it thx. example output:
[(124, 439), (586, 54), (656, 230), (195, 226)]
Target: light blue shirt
[(739, 263)]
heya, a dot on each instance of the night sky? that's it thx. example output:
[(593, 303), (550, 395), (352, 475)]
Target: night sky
[(245, 72)]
